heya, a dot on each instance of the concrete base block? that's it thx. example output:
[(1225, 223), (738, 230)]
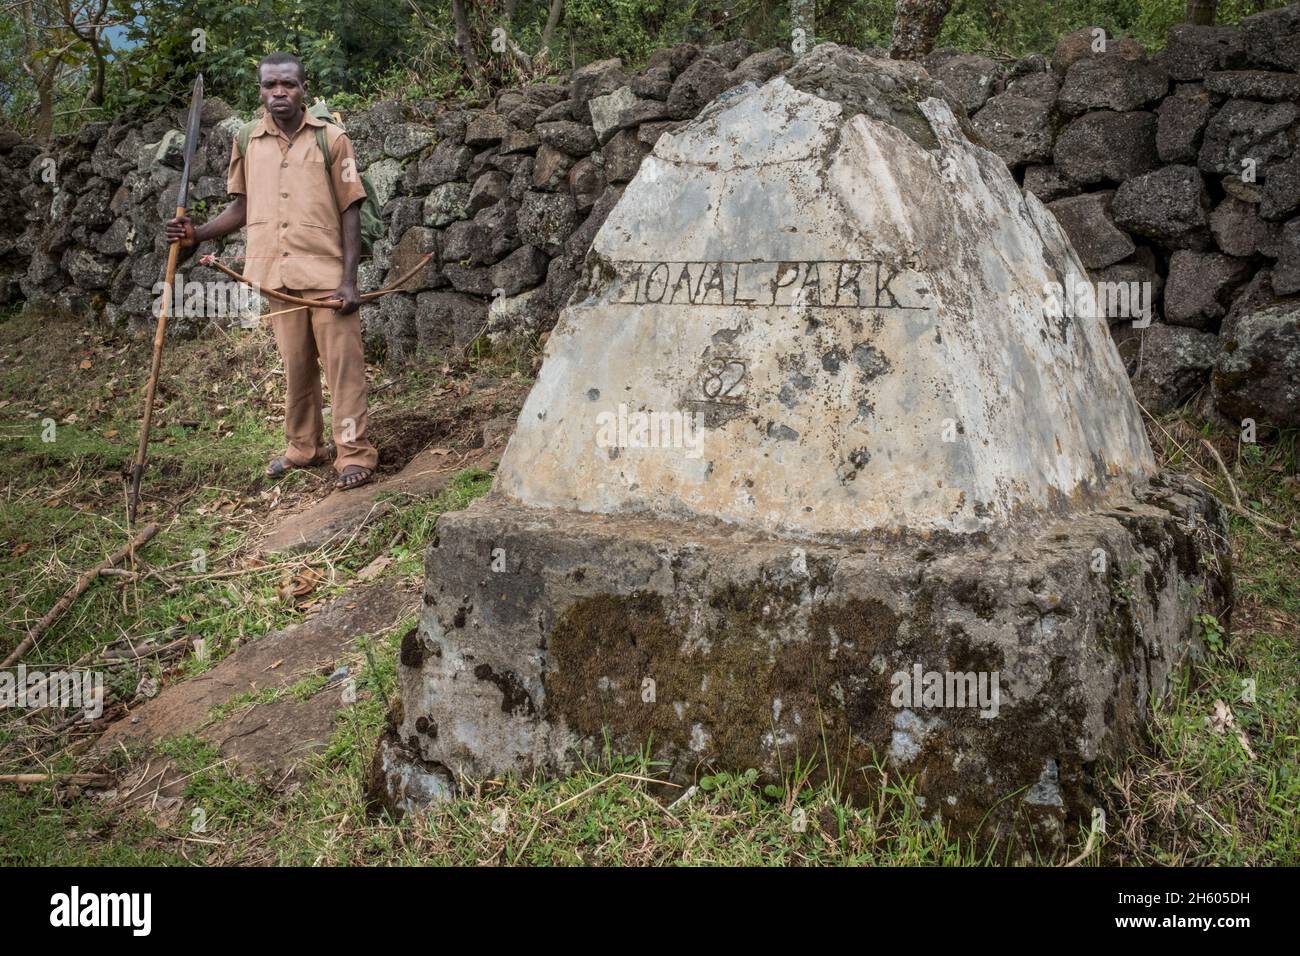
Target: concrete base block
[(997, 671)]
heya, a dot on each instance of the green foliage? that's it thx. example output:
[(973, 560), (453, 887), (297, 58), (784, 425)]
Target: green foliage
[(357, 50), (1211, 631), (341, 43)]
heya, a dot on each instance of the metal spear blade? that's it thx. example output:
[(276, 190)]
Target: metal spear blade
[(191, 140)]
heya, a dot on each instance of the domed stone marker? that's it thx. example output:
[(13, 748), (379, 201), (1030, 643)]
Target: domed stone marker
[(811, 473)]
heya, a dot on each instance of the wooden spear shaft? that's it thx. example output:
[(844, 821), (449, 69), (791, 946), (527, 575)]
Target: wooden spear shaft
[(137, 470), (75, 592)]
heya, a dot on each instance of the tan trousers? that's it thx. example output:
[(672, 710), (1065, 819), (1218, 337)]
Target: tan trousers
[(336, 340)]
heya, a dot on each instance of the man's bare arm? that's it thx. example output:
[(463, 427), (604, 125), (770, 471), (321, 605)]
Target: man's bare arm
[(347, 290)]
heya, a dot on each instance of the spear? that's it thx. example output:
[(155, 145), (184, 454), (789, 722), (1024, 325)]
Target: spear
[(173, 254)]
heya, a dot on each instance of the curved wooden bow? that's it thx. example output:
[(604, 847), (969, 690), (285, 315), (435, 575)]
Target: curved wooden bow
[(395, 286)]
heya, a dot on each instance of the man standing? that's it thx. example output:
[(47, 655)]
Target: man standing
[(303, 212)]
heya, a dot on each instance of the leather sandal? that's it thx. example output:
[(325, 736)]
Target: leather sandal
[(280, 465), (353, 476)]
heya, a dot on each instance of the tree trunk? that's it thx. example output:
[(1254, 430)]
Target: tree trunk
[(44, 126), (1202, 12), (803, 16), (916, 25), (552, 21), (465, 41), (97, 92)]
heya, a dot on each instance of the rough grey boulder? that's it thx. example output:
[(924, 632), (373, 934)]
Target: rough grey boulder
[(742, 606), (1254, 85), (1168, 364), (1182, 119), (1194, 50), (653, 83), (547, 219), (1087, 220), (1048, 183), (89, 270), (467, 242), (730, 53), (446, 203), (391, 321), (520, 141), (473, 280), (446, 322), (594, 79), (1018, 128), (562, 110), (405, 212), (1111, 83), (117, 240), (1273, 38), (1140, 267), (491, 187), (572, 139), (971, 79), (884, 90), (522, 269), (516, 318), (1200, 286), (1246, 130), (1084, 44), (1105, 146), (448, 162), (586, 182), (1280, 195), (623, 155), (485, 129), (550, 168), (1257, 374), (1286, 274), (406, 139), (622, 108), (521, 180), (759, 67), (1169, 204), (675, 58), (1039, 85), (727, 652), (1239, 230), (696, 86), (385, 177)]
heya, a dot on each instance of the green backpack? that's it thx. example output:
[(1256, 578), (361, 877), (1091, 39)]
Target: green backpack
[(372, 227)]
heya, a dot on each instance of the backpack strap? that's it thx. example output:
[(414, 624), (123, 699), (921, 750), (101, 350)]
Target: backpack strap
[(322, 141), (245, 134)]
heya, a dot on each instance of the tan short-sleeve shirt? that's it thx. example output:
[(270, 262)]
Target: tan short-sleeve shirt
[(295, 237)]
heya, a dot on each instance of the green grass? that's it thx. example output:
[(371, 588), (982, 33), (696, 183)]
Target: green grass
[(1191, 796), (1199, 796)]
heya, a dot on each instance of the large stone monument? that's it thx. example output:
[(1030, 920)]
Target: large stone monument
[(814, 471)]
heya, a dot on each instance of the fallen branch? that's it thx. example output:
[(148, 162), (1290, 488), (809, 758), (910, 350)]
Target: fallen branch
[(1223, 470), (79, 779), (1258, 519), (126, 655), (78, 589)]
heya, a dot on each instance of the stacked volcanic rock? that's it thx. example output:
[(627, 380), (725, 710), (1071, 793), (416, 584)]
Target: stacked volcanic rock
[(1181, 170), (511, 196), (507, 197), (93, 207), (15, 254)]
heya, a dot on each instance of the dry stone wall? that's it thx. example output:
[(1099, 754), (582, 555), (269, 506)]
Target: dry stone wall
[(1181, 170)]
